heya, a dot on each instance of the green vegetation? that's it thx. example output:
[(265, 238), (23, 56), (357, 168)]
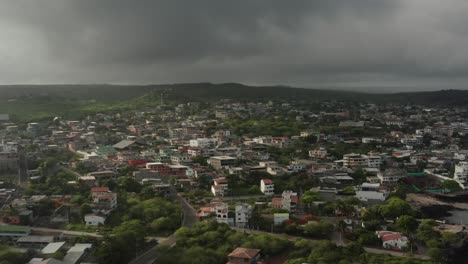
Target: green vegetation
[(264, 127), (9, 256), (451, 186), (318, 252), (36, 102), (439, 244), (209, 242)]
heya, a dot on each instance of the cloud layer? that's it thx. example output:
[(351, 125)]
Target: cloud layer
[(403, 44)]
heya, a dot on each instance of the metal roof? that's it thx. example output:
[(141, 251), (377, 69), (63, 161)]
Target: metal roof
[(52, 247)]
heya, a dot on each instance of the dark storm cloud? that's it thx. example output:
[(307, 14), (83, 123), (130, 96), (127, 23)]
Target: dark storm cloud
[(307, 43)]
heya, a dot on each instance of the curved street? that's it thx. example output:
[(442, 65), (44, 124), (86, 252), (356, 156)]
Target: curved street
[(190, 218)]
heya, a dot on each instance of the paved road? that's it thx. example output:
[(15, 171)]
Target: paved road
[(65, 232), (190, 218)]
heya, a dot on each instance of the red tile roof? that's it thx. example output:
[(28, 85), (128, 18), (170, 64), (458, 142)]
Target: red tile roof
[(240, 252), (267, 181), (294, 199), (100, 189), (276, 201), (388, 235), (392, 237), (220, 181)]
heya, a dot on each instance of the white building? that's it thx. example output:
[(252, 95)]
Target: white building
[(203, 142), (374, 161), (275, 170), (389, 177), (320, 153), (412, 140), (267, 187), (366, 140), (370, 192), (243, 214), (181, 159), (461, 174), (392, 240), (295, 167), (220, 162), (220, 187), (218, 190), (94, 219), (289, 201), (267, 163), (354, 161)]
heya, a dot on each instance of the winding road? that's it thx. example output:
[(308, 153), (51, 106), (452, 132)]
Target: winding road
[(190, 218)]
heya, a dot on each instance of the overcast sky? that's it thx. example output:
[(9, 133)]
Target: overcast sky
[(359, 44)]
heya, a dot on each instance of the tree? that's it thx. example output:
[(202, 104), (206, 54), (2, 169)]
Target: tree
[(346, 206), (44, 207), (359, 176), (395, 207), (200, 160), (436, 254), (85, 209), (407, 224), (127, 239), (308, 198), (254, 189), (451, 186), (162, 223), (318, 229), (425, 231)]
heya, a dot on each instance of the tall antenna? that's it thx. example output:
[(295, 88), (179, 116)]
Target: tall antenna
[(162, 102)]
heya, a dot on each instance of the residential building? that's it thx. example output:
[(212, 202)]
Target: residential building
[(337, 180), (203, 143), (354, 161), (163, 169), (390, 177), (461, 174), (103, 200), (244, 256), (219, 187), (319, 153), (243, 214), (288, 201), (94, 219), (371, 192), (267, 187), (393, 240), (103, 175), (220, 162), (222, 211), (275, 170)]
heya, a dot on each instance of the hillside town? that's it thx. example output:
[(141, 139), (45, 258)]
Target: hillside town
[(117, 186)]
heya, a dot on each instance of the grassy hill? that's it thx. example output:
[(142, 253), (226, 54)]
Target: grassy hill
[(29, 102)]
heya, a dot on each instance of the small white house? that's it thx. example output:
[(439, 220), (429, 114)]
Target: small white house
[(94, 219), (267, 187), (392, 240)]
